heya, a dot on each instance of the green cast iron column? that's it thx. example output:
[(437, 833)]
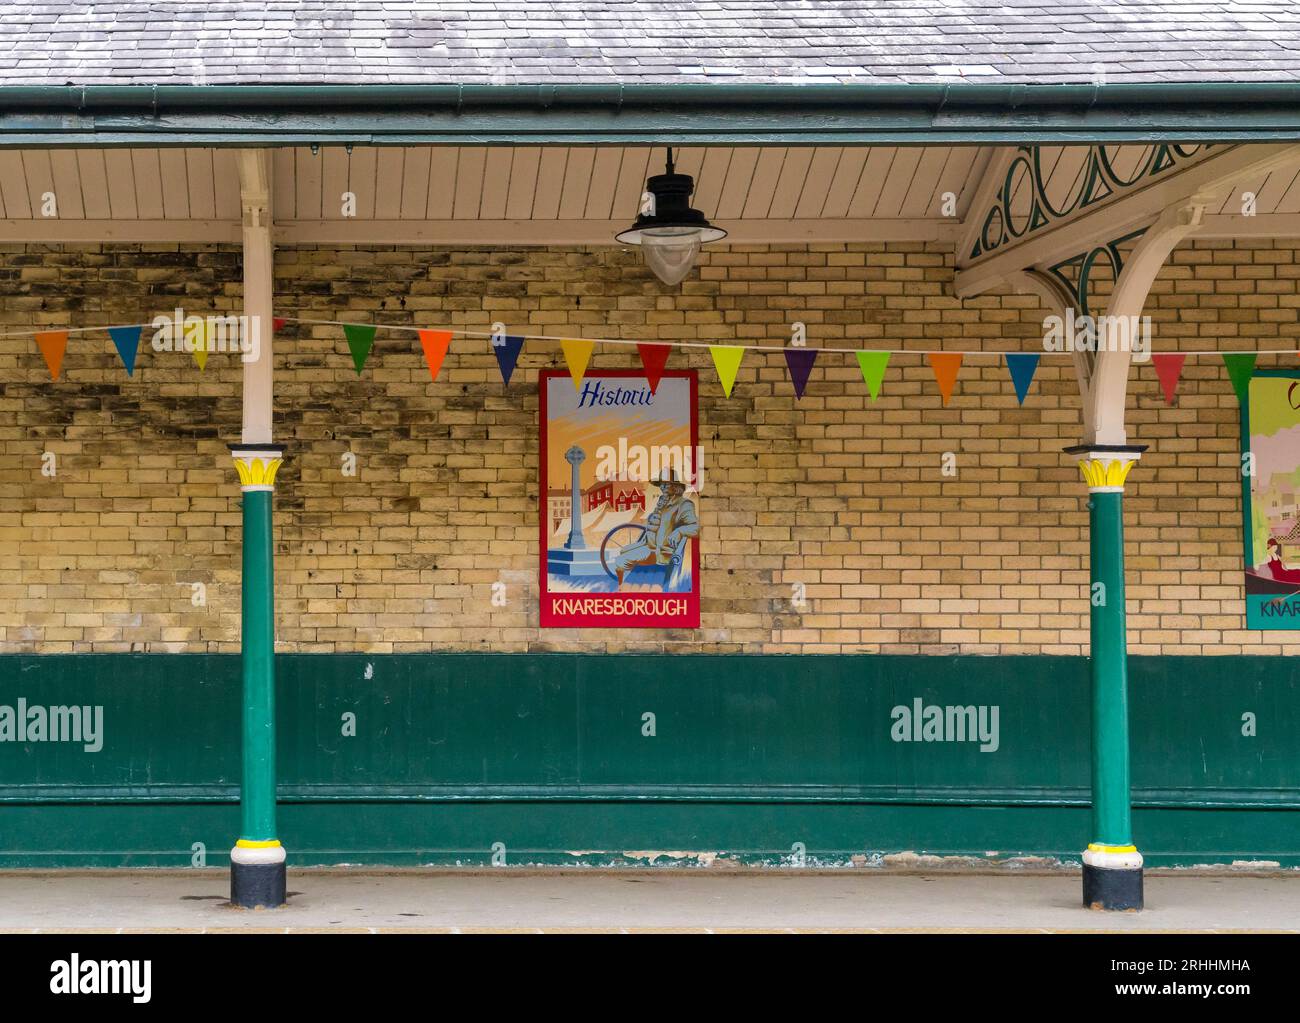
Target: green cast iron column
[(257, 862), (1111, 822), (258, 643), (1112, 865)]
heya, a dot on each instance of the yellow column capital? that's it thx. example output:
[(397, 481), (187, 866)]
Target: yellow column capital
[(1106, 467), (257, 465)]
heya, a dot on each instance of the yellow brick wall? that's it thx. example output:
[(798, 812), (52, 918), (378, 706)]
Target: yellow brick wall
[(834, 492)]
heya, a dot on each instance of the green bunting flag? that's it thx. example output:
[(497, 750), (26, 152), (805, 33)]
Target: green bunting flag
[(726, 360), (360, 341), (873, 366), (1240, 368)]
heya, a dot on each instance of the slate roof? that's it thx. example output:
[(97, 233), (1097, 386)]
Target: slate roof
[(225, 42)]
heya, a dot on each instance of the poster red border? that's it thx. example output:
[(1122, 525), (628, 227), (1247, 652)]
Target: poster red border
[(546, 616)]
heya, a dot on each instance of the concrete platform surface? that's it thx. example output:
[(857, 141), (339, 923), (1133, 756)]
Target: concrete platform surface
[(508, 900)]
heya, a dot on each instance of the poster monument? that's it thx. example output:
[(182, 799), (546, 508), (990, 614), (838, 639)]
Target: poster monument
[(621, 476)]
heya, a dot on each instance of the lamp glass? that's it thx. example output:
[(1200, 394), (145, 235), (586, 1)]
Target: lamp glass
[(670, 252)]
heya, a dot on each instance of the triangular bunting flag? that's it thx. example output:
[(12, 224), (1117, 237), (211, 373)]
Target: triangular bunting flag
[(1169, 367), (799, 361), (53, 343), (277, 323), (726, 360), (435, 344), (653, 360), (945, 366), (1240, 368), (507, 353), (360, 341), (127, 342), (1022, 368), (873, 366), (196, 334), (577, 354)]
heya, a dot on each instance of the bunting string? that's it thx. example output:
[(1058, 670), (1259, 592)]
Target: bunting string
[(945, 363), (974, 353)]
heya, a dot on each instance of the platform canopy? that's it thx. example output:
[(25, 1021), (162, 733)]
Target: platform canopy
[(584, 195)]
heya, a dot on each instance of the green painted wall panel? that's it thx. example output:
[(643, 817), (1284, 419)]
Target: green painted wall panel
[(624, 833), (545, 754)]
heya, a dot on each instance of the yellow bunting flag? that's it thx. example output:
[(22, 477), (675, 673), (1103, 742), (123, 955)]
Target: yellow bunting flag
[(435, 344), (53, 343), (726, 360), (577, 354), (945, 366), (196, 340)]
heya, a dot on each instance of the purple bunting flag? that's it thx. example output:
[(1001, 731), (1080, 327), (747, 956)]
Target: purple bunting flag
[(800, 363)]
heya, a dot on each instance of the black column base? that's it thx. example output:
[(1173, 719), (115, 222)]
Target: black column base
[(1108, 888), (257, 885)]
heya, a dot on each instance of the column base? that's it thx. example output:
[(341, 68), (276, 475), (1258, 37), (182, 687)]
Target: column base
[(1112, 880), (257, 877)]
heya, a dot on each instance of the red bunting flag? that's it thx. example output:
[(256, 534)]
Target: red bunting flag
[(277, 323), (53, 343), (945, 366), (1169, 368), (435, 344), (653, 359)]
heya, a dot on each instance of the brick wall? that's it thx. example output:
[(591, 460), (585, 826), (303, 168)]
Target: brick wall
[(834, 492)]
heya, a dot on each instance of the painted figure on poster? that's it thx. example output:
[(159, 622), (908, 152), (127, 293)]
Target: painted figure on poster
[(672, 522)]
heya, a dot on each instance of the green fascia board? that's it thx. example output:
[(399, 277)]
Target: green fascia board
[(960, 113)]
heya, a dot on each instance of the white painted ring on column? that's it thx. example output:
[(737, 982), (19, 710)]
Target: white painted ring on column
[(250, 857), (1113, 860)]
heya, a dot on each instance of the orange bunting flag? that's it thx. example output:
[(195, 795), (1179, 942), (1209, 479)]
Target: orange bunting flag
[(435, 344), (726, 360), (53, 343), (577, 353), (945, 366)]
